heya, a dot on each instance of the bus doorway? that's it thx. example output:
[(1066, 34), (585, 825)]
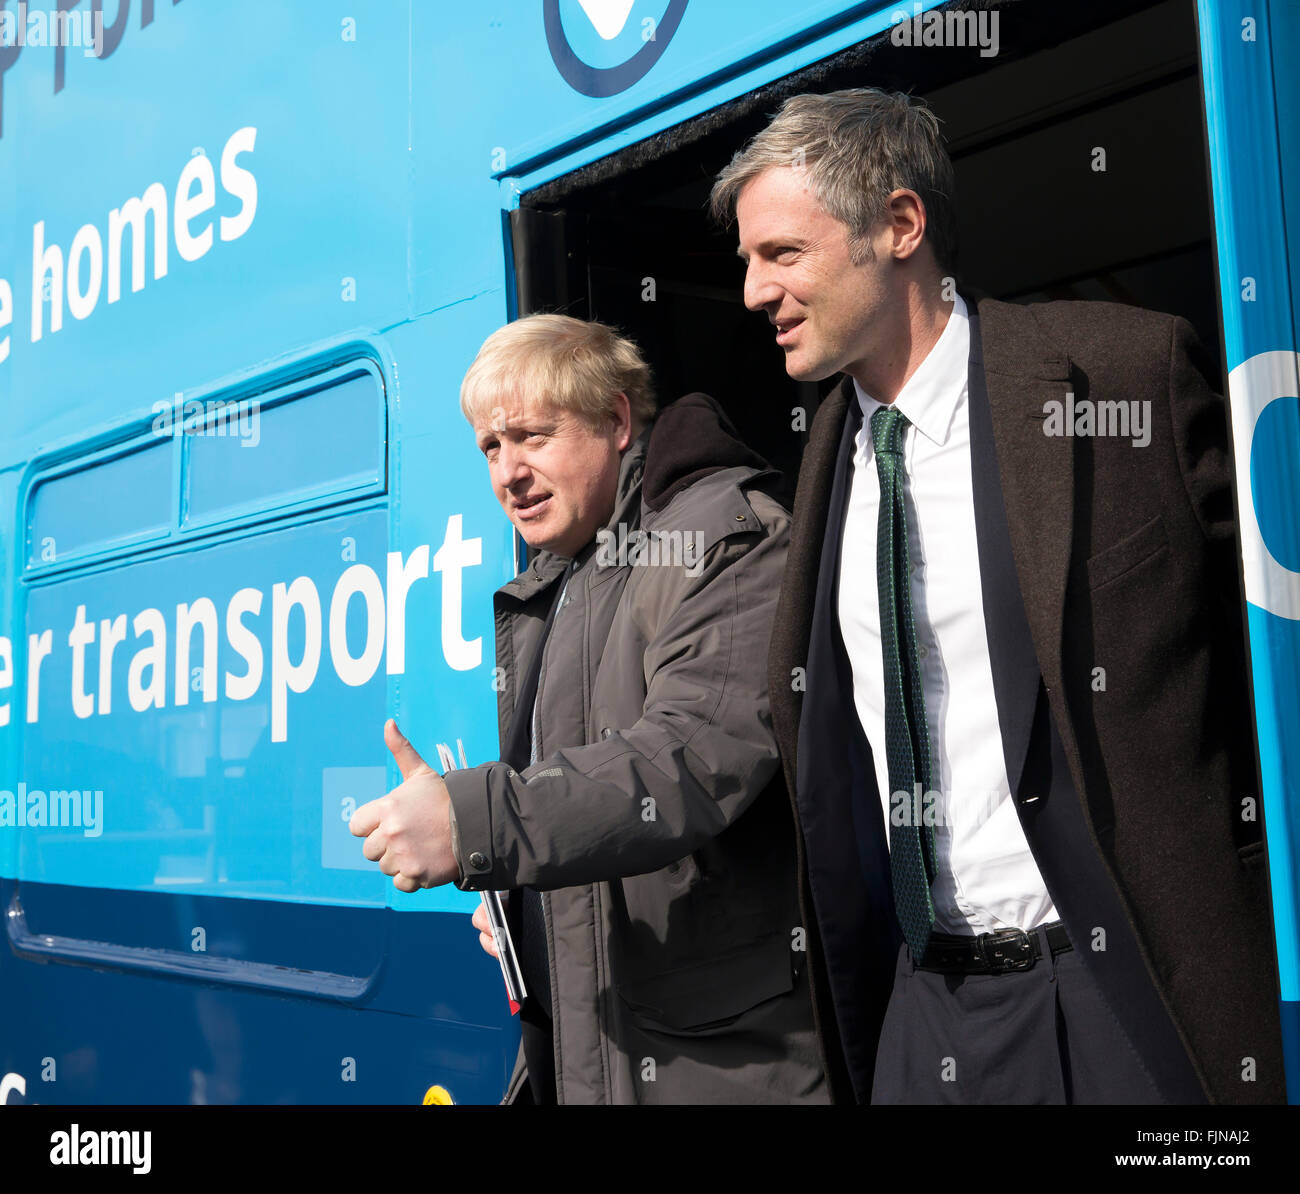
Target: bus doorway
[(1080, 160)]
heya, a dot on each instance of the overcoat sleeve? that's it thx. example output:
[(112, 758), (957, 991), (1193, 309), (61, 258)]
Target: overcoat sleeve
[(646, 794)]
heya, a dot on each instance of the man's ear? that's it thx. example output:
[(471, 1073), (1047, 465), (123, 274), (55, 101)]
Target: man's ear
[(907, 222), (621, 413)]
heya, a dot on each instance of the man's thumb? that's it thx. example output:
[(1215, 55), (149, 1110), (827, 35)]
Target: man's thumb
[(408, 758)]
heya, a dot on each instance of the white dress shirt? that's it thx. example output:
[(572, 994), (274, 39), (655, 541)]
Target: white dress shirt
[(986, 875)]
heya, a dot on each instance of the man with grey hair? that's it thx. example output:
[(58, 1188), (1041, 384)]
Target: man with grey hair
[(637, 810), (1007, 673)]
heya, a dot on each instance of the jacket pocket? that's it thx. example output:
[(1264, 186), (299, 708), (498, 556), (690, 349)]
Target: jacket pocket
[(711, 994), (1112, 562)]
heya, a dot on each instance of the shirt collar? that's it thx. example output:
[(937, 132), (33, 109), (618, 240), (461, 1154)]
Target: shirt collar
[(929, 398)]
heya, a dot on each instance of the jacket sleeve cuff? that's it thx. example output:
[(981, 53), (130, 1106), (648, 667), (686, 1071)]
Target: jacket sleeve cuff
[(471, 829)]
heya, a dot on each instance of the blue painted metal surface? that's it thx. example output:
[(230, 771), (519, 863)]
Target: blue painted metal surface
[(1252, 100)]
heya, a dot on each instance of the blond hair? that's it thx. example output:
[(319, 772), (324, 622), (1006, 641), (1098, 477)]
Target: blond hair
[(559, 363), (856, 146)]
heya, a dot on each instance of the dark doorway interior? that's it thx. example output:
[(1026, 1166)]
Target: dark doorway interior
[(1037, 220)]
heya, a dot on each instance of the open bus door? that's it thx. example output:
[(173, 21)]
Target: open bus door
[(625, 239)]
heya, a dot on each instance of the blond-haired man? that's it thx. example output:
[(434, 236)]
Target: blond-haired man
[(637, 810)]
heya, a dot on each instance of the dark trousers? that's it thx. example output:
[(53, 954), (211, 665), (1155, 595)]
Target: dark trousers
[(1043, 1035)]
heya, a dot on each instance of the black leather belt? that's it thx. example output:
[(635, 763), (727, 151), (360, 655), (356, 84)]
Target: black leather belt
[(992, 953)]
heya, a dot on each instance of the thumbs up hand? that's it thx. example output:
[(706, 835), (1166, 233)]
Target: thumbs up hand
[(408, 832)]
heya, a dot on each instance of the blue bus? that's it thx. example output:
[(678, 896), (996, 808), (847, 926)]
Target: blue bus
[(247, 251)]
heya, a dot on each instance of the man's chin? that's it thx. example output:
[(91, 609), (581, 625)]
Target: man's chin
[(799, 370), (538, 540), (535, 541), (534, 536)]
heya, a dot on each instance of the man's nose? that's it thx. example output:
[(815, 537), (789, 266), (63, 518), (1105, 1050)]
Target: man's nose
[(510, 466), (760, 290)]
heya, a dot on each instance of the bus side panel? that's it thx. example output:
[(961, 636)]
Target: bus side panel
[(215, 934), (1246, 53)]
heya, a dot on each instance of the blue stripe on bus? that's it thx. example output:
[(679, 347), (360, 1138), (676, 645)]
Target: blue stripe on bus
[(428, 1006)]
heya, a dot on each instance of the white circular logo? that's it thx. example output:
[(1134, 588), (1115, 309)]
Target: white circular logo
[(1253, 386)]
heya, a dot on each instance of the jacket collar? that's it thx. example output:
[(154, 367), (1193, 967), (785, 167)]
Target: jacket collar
[(691, 439)]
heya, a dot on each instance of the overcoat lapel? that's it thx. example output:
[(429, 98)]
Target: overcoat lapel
[(838, 776), (1012, 656), (843, 855), (1022, 372)]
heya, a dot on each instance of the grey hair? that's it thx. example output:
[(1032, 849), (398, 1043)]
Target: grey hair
[(856, 147)]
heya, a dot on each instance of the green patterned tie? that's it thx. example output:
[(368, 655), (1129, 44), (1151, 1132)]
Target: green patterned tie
[(907, 736)]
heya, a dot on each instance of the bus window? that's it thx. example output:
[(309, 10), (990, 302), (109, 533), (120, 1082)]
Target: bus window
[(101, 504), (317, 442)]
